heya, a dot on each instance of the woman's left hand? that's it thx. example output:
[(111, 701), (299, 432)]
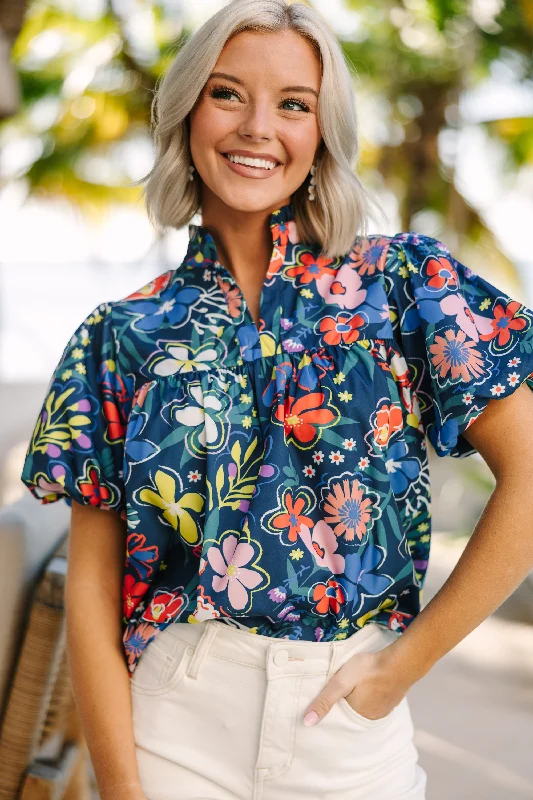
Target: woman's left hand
[(370, 683)]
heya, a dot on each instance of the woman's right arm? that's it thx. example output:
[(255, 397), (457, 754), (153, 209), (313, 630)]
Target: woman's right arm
[(99, 675)]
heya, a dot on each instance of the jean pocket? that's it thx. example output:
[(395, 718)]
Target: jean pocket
[(358, 718), (161, 665)]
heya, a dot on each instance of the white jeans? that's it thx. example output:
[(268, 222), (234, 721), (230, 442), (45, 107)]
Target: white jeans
[(218, 715)]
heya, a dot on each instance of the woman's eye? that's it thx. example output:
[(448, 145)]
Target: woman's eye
[(223, 93), (300, 106)]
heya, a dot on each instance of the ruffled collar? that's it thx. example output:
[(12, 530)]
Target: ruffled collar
[(202, 248)]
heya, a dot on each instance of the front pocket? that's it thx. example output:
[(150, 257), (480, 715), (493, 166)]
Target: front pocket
[(161, 666), (359, 718)]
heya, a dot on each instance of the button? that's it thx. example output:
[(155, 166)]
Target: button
[(281, 658)]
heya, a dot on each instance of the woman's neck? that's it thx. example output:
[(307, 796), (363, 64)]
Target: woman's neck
[(244, 245)]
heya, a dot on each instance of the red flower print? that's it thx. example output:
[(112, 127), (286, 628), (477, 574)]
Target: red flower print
[(311, 268), (115, 427), (140, 396), (456, 355), (232, 296), (92, 490), (132, 593), (280, 233), (293, 517), (139, 557), (441, 273), (369, 255), (152, 288), (301, 416), (164, 606), (389, 419), (348, 509), (341, 329), (504, 321), (276, 261), (328, 597)]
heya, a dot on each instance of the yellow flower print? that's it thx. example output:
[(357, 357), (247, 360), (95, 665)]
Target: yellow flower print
[(382, 606), (297, 554), (344, 623), (81, 368), (174, 511), (77, 352), (339, 378)]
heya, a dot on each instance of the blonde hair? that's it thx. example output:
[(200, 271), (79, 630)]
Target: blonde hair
[(342, 204)]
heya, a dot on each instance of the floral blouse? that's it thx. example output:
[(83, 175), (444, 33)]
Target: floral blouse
[(276, 477)]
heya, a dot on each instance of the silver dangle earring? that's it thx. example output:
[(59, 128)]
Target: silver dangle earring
[(191, 173), (312, 184)]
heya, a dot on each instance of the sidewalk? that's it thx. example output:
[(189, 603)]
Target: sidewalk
[(473, 712)]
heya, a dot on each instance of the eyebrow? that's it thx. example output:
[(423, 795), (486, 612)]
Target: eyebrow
[(232, 78)]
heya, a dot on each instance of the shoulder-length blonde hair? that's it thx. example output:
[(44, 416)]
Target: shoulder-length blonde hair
[(342, 204)]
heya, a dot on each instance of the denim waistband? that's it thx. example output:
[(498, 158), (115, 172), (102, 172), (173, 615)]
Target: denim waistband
[(277, 656)]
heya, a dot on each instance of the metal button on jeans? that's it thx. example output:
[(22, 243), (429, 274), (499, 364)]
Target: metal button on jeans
[(281, 658)]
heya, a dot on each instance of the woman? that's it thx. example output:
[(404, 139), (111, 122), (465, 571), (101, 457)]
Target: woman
[(254, 424)]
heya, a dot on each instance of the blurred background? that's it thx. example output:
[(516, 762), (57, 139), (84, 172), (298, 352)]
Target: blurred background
[(445, 105)]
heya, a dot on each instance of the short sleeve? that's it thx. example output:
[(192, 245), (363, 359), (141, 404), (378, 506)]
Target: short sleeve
[(464, 340), (76, 450)]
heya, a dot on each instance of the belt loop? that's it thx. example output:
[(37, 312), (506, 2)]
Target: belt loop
[(334, 651), (201, 648)]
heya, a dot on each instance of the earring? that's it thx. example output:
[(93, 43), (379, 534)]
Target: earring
[(312, 184), (191, 173)]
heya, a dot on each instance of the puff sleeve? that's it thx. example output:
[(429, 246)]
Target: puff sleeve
[(76, 449), (464, 340)]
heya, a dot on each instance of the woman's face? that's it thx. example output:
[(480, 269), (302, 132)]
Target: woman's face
[(260, 102)]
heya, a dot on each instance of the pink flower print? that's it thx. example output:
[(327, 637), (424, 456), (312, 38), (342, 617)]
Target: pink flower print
[(45, 487), (343, 288), (294, 236), (322, 544), (454, 355), (229, 563), (472, 324)]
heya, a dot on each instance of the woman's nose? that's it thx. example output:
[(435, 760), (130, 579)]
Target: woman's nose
[(257, 123)]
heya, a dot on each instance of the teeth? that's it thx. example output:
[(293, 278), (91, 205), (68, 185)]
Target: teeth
[(252, 162)]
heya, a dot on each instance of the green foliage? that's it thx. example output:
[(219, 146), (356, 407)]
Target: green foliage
[(413, 58)]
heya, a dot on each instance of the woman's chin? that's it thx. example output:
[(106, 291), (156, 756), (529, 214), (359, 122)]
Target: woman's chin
[(254, 202)]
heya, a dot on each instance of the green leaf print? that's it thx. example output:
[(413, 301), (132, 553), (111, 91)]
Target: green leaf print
[(393, 519), (381, 533), (293, 580)]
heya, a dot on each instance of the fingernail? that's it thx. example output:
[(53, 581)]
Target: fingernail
[(310, 718)]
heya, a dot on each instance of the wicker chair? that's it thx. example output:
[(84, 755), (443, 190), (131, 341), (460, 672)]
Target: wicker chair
[(43, 755)]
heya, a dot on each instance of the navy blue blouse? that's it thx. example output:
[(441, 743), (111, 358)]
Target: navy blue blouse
[(276, 477)]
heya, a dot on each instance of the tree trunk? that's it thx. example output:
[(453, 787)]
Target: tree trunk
[(11, 18)]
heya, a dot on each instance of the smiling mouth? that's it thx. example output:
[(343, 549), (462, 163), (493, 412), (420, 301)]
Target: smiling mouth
[(256, 163)]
